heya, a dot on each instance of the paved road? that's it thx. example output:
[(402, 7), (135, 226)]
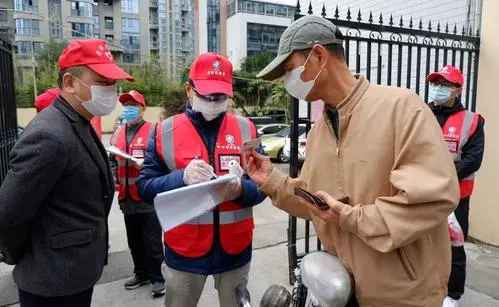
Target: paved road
[(269, 265)]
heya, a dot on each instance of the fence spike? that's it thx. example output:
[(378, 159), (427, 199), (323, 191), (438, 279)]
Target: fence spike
[(446, 28), (471, 31), (349, 14), (455, 29), (420, 24), (336, 12), (323, 14), (370, 17), (401, 23), (410, 23), (390, 22), (478, 32), (463, 32), (438, 27), (380, 18), (359, 16), (429, 25), (310, 9), (298, 6)]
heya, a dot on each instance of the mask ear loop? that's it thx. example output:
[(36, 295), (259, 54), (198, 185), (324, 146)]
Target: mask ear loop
[(308, 58)]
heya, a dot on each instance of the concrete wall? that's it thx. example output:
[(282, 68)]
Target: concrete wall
[(485, 202), (24, 116)]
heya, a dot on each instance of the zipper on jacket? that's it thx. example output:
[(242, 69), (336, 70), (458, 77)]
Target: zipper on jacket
[(336, 135)]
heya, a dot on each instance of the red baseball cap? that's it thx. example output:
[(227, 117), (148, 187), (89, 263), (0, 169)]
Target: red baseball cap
[(212, 74), (46, 98), (133, 95), (95, 54), (449, 73)]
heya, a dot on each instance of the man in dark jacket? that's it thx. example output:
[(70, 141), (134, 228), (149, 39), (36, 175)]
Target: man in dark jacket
[(191, 148), (463, 133), (57, 194), (143, 230)]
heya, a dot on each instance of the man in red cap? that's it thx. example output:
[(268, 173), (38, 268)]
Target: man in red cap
[(191, 148), (142, 226), (463, 133), (46, 98), (56, 197)]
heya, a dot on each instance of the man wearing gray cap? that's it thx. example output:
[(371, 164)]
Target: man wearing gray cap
[(382, 148)]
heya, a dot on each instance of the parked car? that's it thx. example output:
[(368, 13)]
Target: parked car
[(269, 129), (274, 144), (302, 146)]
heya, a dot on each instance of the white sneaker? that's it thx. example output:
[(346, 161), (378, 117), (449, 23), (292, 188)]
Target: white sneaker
[(450, 302)]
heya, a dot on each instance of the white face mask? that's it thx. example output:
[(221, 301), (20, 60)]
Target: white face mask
[(440, 94), (210, 110), (295, 86), (103, 101)]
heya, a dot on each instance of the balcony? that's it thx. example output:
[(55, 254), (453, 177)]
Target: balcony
[(153, 24), (154, 46), (153, 4)]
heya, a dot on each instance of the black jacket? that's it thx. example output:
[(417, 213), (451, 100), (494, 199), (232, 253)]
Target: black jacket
[(473, 150), (54, 204)]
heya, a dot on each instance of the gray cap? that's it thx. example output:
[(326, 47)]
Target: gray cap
[(302, 34)]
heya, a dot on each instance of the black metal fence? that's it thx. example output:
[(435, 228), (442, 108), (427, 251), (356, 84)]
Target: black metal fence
[(8, 114), (391, 52)]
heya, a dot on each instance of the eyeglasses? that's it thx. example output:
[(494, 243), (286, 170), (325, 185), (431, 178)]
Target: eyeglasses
[(211, 97)]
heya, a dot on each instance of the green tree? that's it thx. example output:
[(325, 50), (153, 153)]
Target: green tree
[(255, 63), (50, 53)]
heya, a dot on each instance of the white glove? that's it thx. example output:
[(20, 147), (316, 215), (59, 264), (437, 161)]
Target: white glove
[(198, 171), (231, 190), (138, 163), (235, 169)]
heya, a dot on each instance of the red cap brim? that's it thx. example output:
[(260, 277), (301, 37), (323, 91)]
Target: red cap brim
[(111, 71), (210, 87), (127, 97)]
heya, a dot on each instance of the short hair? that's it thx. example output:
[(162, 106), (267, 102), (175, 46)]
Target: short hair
[(336, 50), (74, 70)]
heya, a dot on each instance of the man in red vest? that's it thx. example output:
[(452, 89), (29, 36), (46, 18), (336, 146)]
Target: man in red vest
[(142, 225), (463, 133), (191, 148)]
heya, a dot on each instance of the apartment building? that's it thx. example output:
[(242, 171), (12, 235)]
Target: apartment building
[(255, 26), (6, 19), (136, 30)]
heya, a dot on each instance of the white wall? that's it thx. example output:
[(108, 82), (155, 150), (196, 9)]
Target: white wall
[(202, 28), (237, 33)]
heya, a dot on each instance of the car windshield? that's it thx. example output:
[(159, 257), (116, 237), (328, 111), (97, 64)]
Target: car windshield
[(286, 132)]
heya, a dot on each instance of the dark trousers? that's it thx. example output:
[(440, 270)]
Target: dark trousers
[(457, 280), (144, 240), (82, 299), (352, 302)]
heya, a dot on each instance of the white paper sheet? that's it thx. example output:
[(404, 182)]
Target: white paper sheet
[(116, 151), (181, 205)]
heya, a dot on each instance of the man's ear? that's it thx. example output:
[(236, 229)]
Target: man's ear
[(188, 89), (459, 91), (69, 83), (321, 54)]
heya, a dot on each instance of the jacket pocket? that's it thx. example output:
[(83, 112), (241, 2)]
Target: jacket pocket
[(71, 238), (406, 264)]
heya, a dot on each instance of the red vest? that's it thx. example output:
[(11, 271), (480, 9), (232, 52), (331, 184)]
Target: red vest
[(127, 172), (457, 130), (178, 143)]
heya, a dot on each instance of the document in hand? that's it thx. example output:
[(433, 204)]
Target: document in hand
[(116, 151), (181, 205)]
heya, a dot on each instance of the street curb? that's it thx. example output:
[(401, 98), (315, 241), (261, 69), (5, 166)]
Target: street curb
[(120, 267)]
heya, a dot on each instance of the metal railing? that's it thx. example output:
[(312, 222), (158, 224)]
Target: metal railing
[(391, 52), (8, 113)]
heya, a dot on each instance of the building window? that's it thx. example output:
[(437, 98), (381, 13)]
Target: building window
[(24, 47), (96, 22), (269, 9), (213, 25), (281, 11), (109, 38), (108, 2), (130, 33), (263, 38), (130, 6), (82, 29), (26, 5), (27, 27), (131, 58), (3, 15), (108, 23), (81, 9)]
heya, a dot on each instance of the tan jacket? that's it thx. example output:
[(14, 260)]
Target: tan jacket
[(391, 160)]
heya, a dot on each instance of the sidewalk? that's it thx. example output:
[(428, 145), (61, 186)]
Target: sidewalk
[(269, 266)]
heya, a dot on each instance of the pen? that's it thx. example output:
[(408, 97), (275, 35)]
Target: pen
[(214, 176)]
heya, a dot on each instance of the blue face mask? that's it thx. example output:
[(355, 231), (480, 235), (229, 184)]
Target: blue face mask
[(439, 94), (130, 113)]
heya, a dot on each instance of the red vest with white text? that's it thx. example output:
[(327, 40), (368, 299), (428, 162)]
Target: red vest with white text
[(178, 143), (127, 172), (457, 130)]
